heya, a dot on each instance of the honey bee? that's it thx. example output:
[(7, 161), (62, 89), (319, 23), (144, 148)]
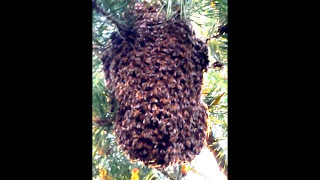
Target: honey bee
[(163, 129), (138, 125), (146, 120), (136, 113), (138, 95), (154, 118), (179, 86), (154, 107)]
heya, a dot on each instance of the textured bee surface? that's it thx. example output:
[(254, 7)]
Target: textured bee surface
[(155, 70)]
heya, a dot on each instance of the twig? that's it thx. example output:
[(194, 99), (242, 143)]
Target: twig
[(213, 37), (97, 42), (211, 139), (107, 15)]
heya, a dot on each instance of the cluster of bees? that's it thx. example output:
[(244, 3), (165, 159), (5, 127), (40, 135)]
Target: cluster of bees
[(155, 70)]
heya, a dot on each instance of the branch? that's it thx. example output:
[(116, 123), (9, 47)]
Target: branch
[(213, 37), (107, 15), (98, 9), (222, 30), (102, 122), (211, 139), (97, 42)]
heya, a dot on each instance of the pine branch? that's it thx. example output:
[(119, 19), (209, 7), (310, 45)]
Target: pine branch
[(216, 149), (97, 42), (107, 15), (98, 9), (103, 122), (98, 50)]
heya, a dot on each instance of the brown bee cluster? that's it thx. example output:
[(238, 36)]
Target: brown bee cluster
[(155, 70)]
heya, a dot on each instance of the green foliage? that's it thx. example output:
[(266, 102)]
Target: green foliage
[(220, 49), (150, 176), (99, 101), (113, 160)]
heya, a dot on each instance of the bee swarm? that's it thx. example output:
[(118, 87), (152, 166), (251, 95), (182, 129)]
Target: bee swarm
[(155, 70)]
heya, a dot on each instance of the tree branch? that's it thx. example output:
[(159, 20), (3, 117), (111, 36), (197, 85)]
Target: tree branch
[(216, 149), (97, 42), (107, 15)]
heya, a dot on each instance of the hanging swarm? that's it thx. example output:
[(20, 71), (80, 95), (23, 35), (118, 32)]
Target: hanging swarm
[(155, 70)]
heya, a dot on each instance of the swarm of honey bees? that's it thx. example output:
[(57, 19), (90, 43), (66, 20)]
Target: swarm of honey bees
[(155, 70)]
